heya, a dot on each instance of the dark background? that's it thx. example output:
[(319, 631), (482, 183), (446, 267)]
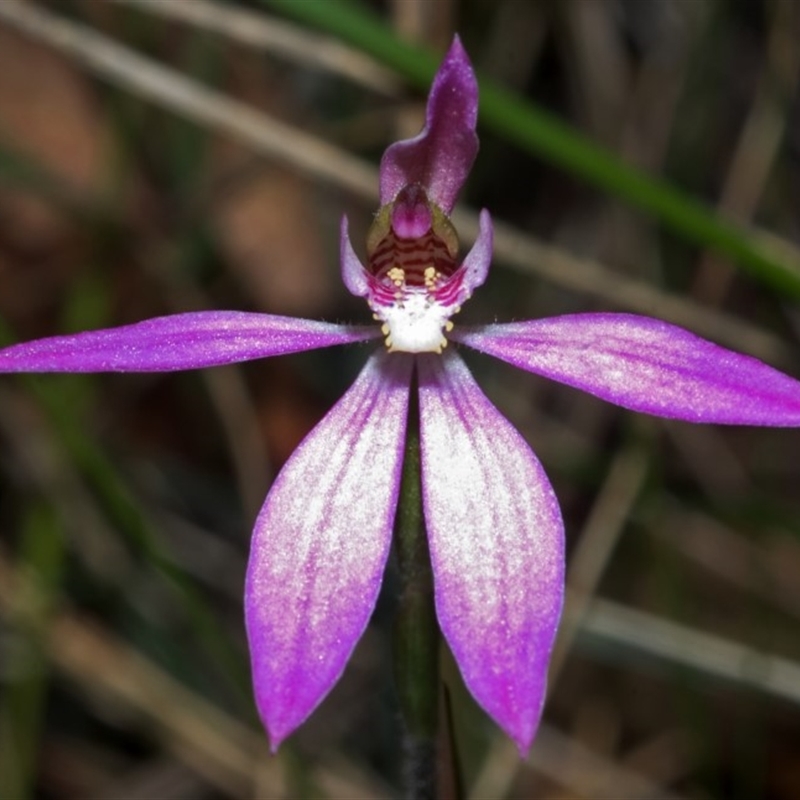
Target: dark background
[(126, 501)]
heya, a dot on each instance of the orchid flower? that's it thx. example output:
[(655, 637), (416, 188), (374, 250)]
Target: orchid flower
[(322, 538)]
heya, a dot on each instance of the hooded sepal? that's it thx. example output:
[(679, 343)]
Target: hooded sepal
[(440, 158)]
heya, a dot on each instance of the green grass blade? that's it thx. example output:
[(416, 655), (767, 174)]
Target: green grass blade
[(41, 555)]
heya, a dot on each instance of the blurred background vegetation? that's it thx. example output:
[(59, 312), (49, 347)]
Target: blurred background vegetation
[(637, 155)]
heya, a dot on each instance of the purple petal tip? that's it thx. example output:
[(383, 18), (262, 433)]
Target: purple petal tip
[(499, 589), (646, 365), (317, 558), (457, 56), (440, 157)]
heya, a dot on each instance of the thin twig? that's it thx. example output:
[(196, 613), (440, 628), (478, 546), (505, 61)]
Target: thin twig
[(588, 774), (762, 567), (720, 658), (146, 78), (227, 390), (215, 745), (596, 544), (759, 142), (225, 752), (38, 462), (276, 139), (280, 38), (421, 22), (570, 764), (532, 256), (708, 653)]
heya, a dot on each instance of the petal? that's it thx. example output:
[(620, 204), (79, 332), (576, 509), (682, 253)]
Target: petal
[(320, 545), (354, 275), (497, 545), (477, 262), (180, 341), (439, 158), (645, 365)]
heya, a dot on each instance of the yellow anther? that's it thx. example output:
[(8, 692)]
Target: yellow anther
[(397, 275), (385, 329), (448, 326)]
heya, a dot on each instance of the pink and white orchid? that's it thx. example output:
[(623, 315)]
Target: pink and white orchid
[(321, 540)]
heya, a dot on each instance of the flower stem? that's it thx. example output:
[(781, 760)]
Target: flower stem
[(416, 634)]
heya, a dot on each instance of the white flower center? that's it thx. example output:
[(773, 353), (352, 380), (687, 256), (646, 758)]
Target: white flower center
[(412, 250), (416, 323)]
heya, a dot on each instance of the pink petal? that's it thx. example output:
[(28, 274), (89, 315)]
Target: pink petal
[(320, 545), (180, 341), (477, 262), (497, 545), (439, 158), (354, 275), (645, 365)]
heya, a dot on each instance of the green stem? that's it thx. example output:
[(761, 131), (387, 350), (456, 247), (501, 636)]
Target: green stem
[(416, 634)]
